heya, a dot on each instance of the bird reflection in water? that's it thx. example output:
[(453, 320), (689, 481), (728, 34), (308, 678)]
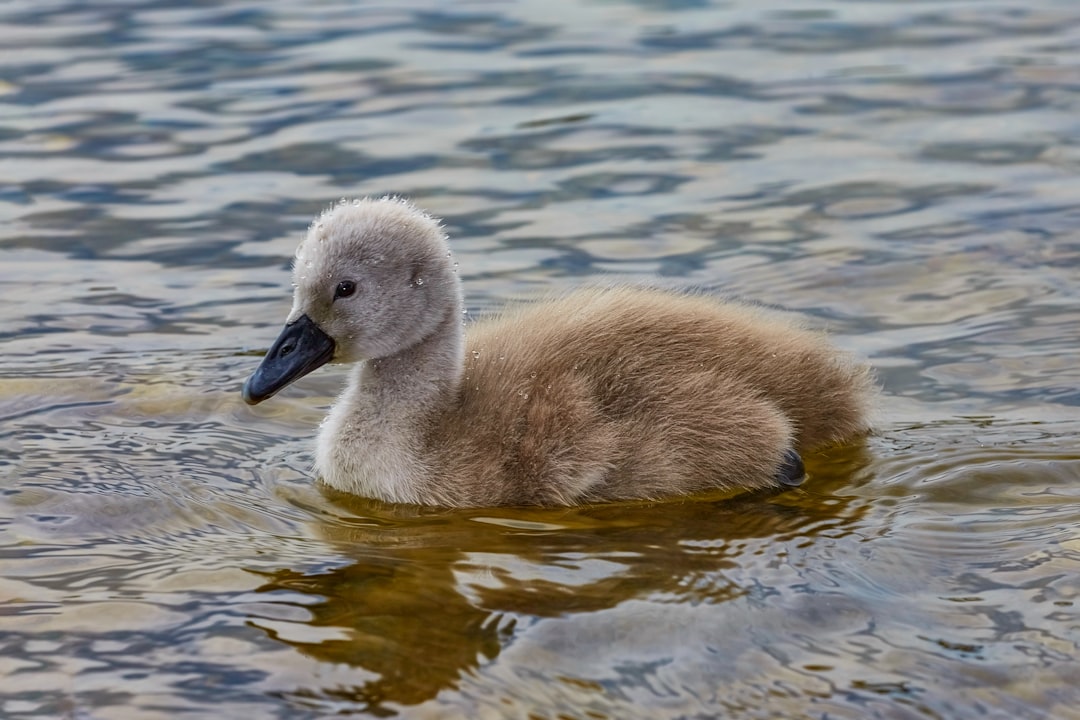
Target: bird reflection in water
[(434, 595)]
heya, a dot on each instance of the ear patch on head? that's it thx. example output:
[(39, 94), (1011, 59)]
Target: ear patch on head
[(417, 278)]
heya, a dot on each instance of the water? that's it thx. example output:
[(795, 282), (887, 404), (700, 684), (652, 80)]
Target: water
[(904, 173)]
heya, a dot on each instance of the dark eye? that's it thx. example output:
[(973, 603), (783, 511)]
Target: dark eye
[(345, 288)]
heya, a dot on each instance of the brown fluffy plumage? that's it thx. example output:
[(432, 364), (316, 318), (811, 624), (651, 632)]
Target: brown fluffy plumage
[(603, 394)]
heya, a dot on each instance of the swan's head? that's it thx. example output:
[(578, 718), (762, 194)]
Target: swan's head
[(372, 278)]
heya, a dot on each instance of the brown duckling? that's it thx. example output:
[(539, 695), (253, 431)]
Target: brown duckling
[(603, 394)]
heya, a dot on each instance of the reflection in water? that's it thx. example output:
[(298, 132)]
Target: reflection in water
[(419, 605), (388, 611)]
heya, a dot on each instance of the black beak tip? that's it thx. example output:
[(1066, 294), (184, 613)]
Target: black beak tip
[(250, 396), (300, 348)]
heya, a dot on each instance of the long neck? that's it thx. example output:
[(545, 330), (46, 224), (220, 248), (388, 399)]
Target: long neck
[(416, 378), (371, 441)]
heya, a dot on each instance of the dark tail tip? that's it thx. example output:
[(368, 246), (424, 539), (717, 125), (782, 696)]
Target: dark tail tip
[(792, 471)]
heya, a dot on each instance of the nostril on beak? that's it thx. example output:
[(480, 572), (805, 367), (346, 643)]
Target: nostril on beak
[(286, 349)]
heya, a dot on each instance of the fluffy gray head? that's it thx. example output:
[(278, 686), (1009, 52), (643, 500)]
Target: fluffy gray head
[(376, 276)]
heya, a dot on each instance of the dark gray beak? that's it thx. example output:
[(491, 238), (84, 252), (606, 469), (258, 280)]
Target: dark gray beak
[(300, 348)]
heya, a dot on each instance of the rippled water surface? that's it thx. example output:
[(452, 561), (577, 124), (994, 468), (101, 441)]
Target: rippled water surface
[(905, 173)]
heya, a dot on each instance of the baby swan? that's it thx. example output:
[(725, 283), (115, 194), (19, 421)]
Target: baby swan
[(603, 394)]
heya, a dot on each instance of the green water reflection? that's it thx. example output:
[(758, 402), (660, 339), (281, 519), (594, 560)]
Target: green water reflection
[(427, 596)]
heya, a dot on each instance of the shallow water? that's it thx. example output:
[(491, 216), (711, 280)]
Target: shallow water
[(904, 173)]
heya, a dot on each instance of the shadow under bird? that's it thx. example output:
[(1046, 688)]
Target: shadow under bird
[(611, 393)]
